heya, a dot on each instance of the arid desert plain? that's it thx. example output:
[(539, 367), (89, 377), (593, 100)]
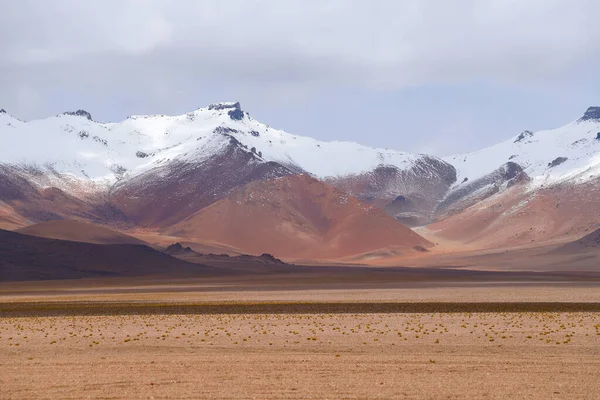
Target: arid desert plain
[(231, 340)]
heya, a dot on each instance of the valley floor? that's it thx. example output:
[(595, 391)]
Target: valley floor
[(298, 356)]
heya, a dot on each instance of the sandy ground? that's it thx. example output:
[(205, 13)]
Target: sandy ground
[(450, 356), (131, 352), (261, 289)]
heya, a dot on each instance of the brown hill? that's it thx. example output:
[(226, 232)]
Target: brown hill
[(297, 217), (24, 258), (9, 218), (78, 231), (519, 217)]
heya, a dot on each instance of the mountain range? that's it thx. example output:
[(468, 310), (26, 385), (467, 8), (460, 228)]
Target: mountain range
[(217, 176)]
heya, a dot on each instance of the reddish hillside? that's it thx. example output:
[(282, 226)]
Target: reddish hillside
[(518, 217), (297, 217), (9, 218), (78, 231)]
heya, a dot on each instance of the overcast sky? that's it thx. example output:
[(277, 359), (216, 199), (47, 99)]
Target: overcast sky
[(436, 76)]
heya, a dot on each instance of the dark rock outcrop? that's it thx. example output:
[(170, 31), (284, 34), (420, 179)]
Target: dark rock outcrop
[(591, 114), (177, 249), (224, 106), (235, 110), (80, 113), (598, 136), (236, 114), (2, 111), (225, 130), (557, 161), (524, 135)]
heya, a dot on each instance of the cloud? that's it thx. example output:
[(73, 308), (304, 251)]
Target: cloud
[(61, 30), (384, 44)]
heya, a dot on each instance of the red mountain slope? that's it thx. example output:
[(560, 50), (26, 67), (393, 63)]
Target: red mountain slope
[(297, 217)]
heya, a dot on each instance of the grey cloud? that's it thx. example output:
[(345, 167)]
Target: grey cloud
[(384, 42)]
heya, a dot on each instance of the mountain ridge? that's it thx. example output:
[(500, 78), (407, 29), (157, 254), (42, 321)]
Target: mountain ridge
[(156, 171)]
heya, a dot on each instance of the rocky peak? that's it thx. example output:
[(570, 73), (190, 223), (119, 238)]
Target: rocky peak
[(592, 114), (235, 110), (523, 135), (224, 106), (2, 111), (80, 113), (178, 249)]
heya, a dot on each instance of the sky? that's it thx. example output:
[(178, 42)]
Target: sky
[(428, 76)]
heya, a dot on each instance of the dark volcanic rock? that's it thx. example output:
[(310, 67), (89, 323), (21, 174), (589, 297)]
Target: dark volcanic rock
[(557, 161), (2, 111), (177, 249), (236, 115), (235, 110), (80, 113), (224, 106), (225, 130), (524, 135), (592, 114), (598, 136)]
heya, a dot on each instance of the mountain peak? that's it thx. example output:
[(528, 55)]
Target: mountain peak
[(235, 110), (80, 113), (592, 114), (224, 106), (2, 111), (523, 135)]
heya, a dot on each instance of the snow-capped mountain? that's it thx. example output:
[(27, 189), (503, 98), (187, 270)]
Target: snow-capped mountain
[(566, 155), (74, 143), (189, 161), (156, 170)]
